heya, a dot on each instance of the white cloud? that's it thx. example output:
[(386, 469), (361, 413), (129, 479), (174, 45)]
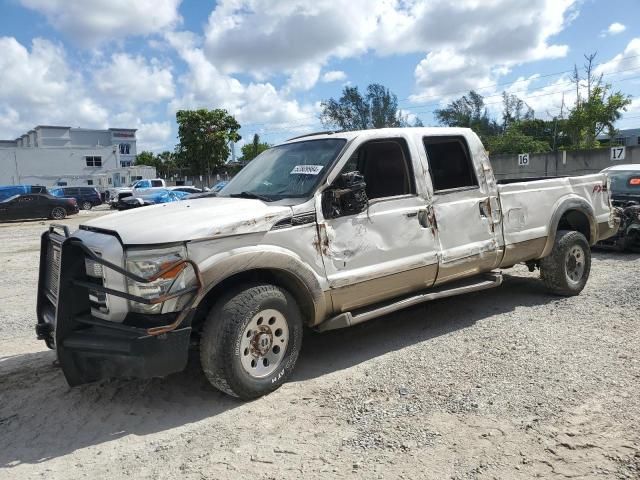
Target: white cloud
[(154, 136), (38, 86), (334, 76), (484, 42), (614, 29), (628, 61), (134, 79), (256, 103), (267, 37), (90, 23)]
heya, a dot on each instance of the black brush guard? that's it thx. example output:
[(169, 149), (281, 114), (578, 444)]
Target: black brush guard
[(91, 349)]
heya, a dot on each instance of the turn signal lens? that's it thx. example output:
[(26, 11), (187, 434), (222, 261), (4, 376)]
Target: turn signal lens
[(174, 272), (634, 181)]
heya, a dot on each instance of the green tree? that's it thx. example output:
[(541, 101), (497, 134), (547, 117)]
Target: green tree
[(468, 111), (597, 111), (515, 141), (146, 158), (204, 137), (253, 149), (378, 108), (514, 110)]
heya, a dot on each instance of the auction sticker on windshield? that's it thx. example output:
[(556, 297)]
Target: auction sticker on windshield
[(306, 169)]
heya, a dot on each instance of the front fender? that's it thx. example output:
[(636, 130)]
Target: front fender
[(220, 267), (562, 206)]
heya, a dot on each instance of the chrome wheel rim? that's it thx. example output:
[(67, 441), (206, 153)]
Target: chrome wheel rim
[(86, 206), (57, 213), (575, 263), (264, 343)]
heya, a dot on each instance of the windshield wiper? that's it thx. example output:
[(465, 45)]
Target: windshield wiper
[(251, 195)]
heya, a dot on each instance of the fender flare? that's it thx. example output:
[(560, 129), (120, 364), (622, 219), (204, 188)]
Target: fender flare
[(219, 268), (562, 206)]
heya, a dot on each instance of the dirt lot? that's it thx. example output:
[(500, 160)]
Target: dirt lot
[(510, 383)]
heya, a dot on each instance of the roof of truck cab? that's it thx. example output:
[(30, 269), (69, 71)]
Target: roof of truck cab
[(383, 132)]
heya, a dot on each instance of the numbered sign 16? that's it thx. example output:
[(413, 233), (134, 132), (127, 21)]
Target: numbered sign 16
[(617, 153), (523, 159)]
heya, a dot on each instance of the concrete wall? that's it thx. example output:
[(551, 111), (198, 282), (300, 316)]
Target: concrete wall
[(560, 163)]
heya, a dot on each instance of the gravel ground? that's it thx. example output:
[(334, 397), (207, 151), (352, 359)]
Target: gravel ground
[(509, 383)]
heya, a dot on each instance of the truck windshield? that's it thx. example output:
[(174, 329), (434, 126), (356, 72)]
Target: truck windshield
[(625, 182), (287, 171)]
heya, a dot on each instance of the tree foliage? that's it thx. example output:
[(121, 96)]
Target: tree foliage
[(253, 149), (468, 111), (595, 112), (378, 108), (164, 163), (204, 137)]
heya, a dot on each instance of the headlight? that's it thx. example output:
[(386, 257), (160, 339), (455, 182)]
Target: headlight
[(146, 264)]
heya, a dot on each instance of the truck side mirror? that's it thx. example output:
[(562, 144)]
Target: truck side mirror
[(347, 196)]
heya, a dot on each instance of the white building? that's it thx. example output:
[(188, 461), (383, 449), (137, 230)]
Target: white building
[(54, 155)]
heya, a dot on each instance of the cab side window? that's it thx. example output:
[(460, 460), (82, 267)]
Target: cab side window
[(386, 167), (449, 163)]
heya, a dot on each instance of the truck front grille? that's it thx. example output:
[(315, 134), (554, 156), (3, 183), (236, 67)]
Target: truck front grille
[(52, 278)]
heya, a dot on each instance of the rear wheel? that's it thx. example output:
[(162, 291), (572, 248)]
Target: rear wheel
[(86, 205), (251, 340), (58, 213), (566, 270)]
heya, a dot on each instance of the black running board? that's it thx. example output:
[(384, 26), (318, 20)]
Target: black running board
[(348, 319)]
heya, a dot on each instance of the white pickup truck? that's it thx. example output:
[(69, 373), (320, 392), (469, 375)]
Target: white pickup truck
[(325, 230)]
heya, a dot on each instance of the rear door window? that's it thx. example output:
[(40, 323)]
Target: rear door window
[(450, 164)]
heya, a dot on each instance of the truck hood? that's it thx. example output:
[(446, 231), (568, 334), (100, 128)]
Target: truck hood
[(191, 220)]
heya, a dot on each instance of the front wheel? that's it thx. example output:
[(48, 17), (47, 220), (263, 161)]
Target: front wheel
[(58, 213), (251, 340), (566, 270)]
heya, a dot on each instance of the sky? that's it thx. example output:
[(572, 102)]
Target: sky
[(116, 63)]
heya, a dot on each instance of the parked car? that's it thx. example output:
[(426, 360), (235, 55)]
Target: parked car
[(624, 183), (37, 205), (218, 186), (7, 191), (114, 195), (87, 197), (185, 188), (152, 198), (328, 231)]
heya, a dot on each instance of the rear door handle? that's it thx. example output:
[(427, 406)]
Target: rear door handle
[(485, 208)]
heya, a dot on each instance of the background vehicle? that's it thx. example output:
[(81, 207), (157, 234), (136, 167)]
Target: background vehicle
[(218, 186), (325, 230), (624, 183), (7, 191), (152, 198), (185, 188), (37, 205), (86, 197)]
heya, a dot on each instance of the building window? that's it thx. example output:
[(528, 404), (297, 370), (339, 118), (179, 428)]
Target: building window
[(93, 161), (61, 184), (124, 148), (126, 163), (89, 182), (620, 141)]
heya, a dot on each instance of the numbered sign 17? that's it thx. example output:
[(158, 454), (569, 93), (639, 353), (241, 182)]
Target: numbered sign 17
[(523, 159), (617, 153)]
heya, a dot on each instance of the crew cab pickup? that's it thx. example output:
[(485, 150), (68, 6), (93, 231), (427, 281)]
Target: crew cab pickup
[(325, 231)]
